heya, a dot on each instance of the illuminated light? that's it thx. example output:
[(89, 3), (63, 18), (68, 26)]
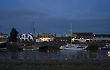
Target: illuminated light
[(81, 38), (87, 39), (48, 51), (73, 38), (108, 53), (45, 39), (53, 51), (106, 45), (66, 59)]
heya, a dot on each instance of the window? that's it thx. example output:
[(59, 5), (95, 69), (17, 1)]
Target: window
[(108, 35), (26, 35), (26, 40)]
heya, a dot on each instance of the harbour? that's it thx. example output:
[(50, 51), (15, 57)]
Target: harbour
[(47, 46), (54, 35)]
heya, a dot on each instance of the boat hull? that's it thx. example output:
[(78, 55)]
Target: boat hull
[(73, 47), (105, 48), (3, 46)]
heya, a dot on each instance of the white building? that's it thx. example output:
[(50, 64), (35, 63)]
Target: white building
[(26, 37), (46, 37)]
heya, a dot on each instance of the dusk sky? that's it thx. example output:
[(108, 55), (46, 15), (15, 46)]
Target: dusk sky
[(55, 16)]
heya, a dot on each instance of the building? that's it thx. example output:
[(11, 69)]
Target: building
[(37, 40), (3, 40), (101, 37), (61, 39), (26, 37), (46, 37), (3, 37), (82, 37)]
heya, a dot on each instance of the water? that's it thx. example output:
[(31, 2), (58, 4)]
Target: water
[(55, 55)]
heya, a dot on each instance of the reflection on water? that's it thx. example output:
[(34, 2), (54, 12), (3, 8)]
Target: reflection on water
[(108, 53), (55, 55)]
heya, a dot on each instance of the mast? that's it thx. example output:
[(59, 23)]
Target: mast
[(71, 32), (34, 28), (34, 32)]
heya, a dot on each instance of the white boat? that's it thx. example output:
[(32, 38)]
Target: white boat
[(73, 46)]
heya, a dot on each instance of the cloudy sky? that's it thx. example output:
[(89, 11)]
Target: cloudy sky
[(55, 16)]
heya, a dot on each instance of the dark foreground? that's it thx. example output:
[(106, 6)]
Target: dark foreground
[(54, 65)]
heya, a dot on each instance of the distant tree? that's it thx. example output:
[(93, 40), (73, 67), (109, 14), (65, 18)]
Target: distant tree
[(13, 35)]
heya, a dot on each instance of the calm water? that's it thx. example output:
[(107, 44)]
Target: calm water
[(55, 55)]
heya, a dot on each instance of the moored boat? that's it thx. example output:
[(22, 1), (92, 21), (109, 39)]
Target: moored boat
[(3, 45), (106, 47), (30, 47), (73, 47)]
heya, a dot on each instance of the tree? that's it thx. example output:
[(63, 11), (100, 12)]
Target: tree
[(13, 35)]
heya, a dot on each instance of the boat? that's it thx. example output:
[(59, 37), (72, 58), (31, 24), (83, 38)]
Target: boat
[(3, 45), (30, 47), (106, 47), (3, 41), (73, 46)]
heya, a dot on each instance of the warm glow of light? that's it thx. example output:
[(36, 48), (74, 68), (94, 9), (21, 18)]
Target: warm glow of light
[(66, 59), (73, 38), (53, 51), (108, 53), (87, 39), (81, 38), (48, 51), (45, 39)]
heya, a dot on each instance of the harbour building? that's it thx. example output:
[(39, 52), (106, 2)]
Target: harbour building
[(101, 37), (3, 40), (82, 37), (3, 37), (46, 37), (28, 37)]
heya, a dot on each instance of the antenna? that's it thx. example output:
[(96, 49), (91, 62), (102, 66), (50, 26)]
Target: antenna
[(34, 31), (71, 32)]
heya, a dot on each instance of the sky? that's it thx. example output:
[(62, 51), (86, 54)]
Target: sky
[(55, 16)]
